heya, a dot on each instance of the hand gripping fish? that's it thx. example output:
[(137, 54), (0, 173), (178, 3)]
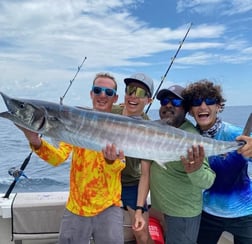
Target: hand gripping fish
[(92, 129)]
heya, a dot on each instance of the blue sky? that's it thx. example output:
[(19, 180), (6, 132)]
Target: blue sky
[(42, 43)]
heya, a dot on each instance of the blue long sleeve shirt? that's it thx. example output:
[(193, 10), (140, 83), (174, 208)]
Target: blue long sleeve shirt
[(231, 194)]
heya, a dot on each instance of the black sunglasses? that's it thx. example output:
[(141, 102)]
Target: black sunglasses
[(208, 101), (108, 91), (176, 102)]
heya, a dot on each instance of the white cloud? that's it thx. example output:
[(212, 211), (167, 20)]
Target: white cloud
[(43, 42), (223, 7)]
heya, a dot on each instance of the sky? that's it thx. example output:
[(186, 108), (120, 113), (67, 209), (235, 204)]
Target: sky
[(44, 43)]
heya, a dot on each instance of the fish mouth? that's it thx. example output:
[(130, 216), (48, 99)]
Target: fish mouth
[(24, 114), (6, 101), (7, 114)]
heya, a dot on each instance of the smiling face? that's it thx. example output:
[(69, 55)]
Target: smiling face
[(205, 115), (134, 105), (204, 100), (171, 110), (101, 101)]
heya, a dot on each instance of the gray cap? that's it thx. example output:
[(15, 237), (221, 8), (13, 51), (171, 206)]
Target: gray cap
[(174, 90), (142, 78)]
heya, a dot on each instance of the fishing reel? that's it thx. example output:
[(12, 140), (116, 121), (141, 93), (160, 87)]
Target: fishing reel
[(16, 173)]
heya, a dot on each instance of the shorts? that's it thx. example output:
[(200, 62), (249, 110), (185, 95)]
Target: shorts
[(129, 197)]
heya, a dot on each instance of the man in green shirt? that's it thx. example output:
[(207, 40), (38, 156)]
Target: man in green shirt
[(176, 190)]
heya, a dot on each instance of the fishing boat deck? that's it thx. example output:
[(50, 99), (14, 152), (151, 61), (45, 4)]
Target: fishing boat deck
[(39, 205)]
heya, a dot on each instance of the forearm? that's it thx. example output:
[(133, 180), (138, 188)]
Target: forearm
[(35, 142), (144, 183), (51, 154), (143, 190), (33, 137)]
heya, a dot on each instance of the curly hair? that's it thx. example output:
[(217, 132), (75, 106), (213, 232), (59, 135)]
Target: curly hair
[(203, 89)]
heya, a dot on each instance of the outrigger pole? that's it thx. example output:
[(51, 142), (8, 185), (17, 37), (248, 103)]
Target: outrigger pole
[(173, 58), (17, 173)]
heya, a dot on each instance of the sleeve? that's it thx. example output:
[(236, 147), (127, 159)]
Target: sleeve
[(203, 177), (117, 166), (52, 155)]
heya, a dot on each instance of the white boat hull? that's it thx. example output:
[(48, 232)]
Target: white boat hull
[(43, 200)]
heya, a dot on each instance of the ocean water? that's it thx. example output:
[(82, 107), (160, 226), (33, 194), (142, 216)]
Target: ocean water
[(41, 176)]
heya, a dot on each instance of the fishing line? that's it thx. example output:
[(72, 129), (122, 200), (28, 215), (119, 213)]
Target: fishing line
[(169, 67), (17, 173)]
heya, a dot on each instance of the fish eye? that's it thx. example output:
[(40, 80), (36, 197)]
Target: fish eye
[(22, 105)]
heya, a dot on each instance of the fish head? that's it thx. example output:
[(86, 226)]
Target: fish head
[(24, 113)]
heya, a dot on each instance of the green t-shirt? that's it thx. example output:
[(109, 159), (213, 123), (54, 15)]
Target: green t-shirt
[(175, 192)]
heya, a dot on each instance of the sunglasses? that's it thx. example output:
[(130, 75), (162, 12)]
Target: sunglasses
[(139, 92), (208, 101), (108, 91), (176, 102)]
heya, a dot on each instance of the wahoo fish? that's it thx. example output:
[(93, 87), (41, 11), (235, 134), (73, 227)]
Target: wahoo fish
[(92, 129)]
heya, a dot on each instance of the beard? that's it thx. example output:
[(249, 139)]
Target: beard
[(171, 117)]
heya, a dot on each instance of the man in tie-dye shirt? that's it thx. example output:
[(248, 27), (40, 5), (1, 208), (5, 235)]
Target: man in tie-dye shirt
[(93, 206)]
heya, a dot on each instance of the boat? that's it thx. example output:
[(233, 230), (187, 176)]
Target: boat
[(34, 218)]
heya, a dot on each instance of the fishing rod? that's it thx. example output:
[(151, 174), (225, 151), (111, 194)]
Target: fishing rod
[(71, 81), (17, 173), (169, 67)]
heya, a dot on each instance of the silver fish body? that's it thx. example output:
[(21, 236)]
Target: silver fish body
[(92, 129)]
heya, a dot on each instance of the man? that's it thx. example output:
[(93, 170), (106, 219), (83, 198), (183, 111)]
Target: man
[(227, 204), (138, 93), (176, 191), (93, 206)]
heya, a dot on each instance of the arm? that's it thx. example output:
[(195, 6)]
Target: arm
[(45, 150), (143, 190), (33, 137)]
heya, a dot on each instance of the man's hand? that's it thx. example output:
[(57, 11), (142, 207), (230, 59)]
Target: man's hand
[(194, 159), (139, 221), (110, 153), (246, 150), (33, 137)]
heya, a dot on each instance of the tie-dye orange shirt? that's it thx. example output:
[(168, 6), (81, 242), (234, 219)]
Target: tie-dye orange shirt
[(94, 184)]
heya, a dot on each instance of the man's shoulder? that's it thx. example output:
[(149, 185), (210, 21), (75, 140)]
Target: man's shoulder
[(117, 108), (188, 126)]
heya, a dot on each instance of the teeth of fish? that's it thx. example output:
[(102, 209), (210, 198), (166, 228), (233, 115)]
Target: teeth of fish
[(92, 129)]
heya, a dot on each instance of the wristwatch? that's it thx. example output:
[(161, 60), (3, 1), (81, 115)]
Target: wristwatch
[(141, 208)]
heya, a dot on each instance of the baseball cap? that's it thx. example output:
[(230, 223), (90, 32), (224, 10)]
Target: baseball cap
[(142, 78), (175, 90)]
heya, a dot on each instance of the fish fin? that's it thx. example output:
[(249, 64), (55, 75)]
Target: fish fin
[(161, 164)]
